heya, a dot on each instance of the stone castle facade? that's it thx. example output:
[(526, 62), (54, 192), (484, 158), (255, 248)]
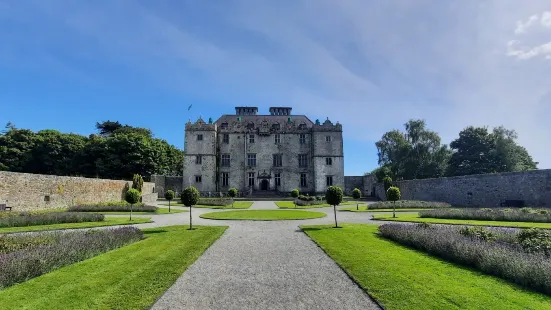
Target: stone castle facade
[(277, 152)]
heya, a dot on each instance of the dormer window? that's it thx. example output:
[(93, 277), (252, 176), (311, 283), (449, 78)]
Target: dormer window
[(224, 126), (302, 126), (276, 126), (250, 126)]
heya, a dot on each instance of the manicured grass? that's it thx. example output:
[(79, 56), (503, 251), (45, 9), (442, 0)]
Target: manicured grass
[(263, 215), (402, 278), (415, 218), (236, 205), (364, 208), (159, 211), (109, 221), (291, 205), (132, 277)]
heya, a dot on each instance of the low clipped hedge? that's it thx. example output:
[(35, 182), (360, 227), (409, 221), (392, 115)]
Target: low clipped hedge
[(300, 202), (214, 202), (492, 214), (113, 208), (29, 219), (111, 203), (409, 204)]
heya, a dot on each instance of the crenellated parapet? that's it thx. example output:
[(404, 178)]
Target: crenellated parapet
[(327, 126), (264, 125), (200, 125)]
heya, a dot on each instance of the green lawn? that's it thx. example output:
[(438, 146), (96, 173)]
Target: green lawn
[(132, 277), (236, 205), (159, 211), (291, 205), (364, 208), (402, 278), (417, 219), (263, 215), (109, 221)]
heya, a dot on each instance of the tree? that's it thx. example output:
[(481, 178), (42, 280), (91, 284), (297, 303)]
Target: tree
[(356, 194), (387, 182), (232, 192), (137, 182), (190, 197), (169, 195), (334, 196), (132, 196), (415, 154), (393, 194), (381, 173), (295, 193)]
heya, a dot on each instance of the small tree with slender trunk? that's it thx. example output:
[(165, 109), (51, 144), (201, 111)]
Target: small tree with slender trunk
[(356, 194), (169, 195), (132, 196), (294, 194), (333, 196), (387, 183), (393, 194), (232, 192), (190, 197)]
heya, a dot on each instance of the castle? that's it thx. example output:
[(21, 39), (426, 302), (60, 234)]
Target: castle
[(263, 153)]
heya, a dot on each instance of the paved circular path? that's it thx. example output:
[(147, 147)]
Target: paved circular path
[(263, 265)]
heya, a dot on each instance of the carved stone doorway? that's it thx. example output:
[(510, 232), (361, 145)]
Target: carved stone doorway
[(264, 185)]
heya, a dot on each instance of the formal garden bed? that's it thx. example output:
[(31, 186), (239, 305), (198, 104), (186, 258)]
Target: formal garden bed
[(130, 277), (263, 215), (399, 277), (518, 256), (216, 203), (541, 215), (364, 208), (408, 204), (25, 256), (19, 219)]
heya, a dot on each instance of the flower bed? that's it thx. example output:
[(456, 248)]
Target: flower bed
[(494, 214), (23, 257), (112, 208), (409, 204), (214, 202), (519, 257), (111, 203), (29, 219)]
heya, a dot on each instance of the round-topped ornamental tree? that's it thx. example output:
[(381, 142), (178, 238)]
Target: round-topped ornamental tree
[(356, 194), (169, 195), (190, 197), (333, 196), (393, 194), (295, 193), (132, 196), (232, 192)]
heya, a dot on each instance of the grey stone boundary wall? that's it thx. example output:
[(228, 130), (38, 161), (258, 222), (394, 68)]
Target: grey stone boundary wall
[(481, 190), (27, 192)]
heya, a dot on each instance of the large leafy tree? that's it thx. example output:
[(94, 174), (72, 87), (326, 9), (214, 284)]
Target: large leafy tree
[(416, 153), (16, 146), (478, 151)]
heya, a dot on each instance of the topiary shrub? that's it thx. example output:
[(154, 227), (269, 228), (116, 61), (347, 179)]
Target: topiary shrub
[(334, 196), (387, 183), (356, 194), (295, 193), (169, 195), (232, 192), (132, 196), (393, 194), (137, 182), (190, 197)]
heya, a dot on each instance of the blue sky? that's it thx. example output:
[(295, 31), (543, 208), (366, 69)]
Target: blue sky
[(371, 65)]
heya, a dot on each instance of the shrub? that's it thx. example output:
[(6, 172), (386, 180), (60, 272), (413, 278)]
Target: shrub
[(132, 196), (333, 196), (119, 208), (137, 182), (232, 192), (214, 202), (409, 204), (31, 255), (111, 203), (27, 219), (169, 195), (387, 183), (295, 193), (190, 196), (506, 260), (496, 214), (356, 193), (393, 194), (299, 202), (485, 210), (479, 233), (535, 240)]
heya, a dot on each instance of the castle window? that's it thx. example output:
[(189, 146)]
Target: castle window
[(329, 180), (302, 126), (251, 160), (277, 162), (277, 179), (302, 138), (303, 182), (276, 127), (303, 160), (225, 162), (329, 161), (225, 178), (251, 138), (277, 138), (251, 178), (198, 179), (224, 126), (250, 125), (226, 138), (199, 137), (327, 138), (199, 160)]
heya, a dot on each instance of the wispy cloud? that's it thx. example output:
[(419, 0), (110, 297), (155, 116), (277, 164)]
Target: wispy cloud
[(370, 64)]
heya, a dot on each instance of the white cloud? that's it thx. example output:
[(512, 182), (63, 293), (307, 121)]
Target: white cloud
[(523, 26), (546, 19)]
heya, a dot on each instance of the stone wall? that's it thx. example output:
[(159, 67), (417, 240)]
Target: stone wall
[(25, 191), (482, 190), (164, 183), (352, 182)]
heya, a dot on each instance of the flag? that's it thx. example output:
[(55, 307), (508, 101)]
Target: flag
[(189, 107)]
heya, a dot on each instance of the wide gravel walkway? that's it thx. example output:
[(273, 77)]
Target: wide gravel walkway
[(263, 265)]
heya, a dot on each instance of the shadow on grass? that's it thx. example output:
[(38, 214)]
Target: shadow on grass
[(155, 231)]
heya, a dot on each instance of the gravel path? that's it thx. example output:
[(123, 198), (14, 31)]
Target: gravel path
[(264, 265)]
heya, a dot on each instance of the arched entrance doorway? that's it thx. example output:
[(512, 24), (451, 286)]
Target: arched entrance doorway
[(264, 185)]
